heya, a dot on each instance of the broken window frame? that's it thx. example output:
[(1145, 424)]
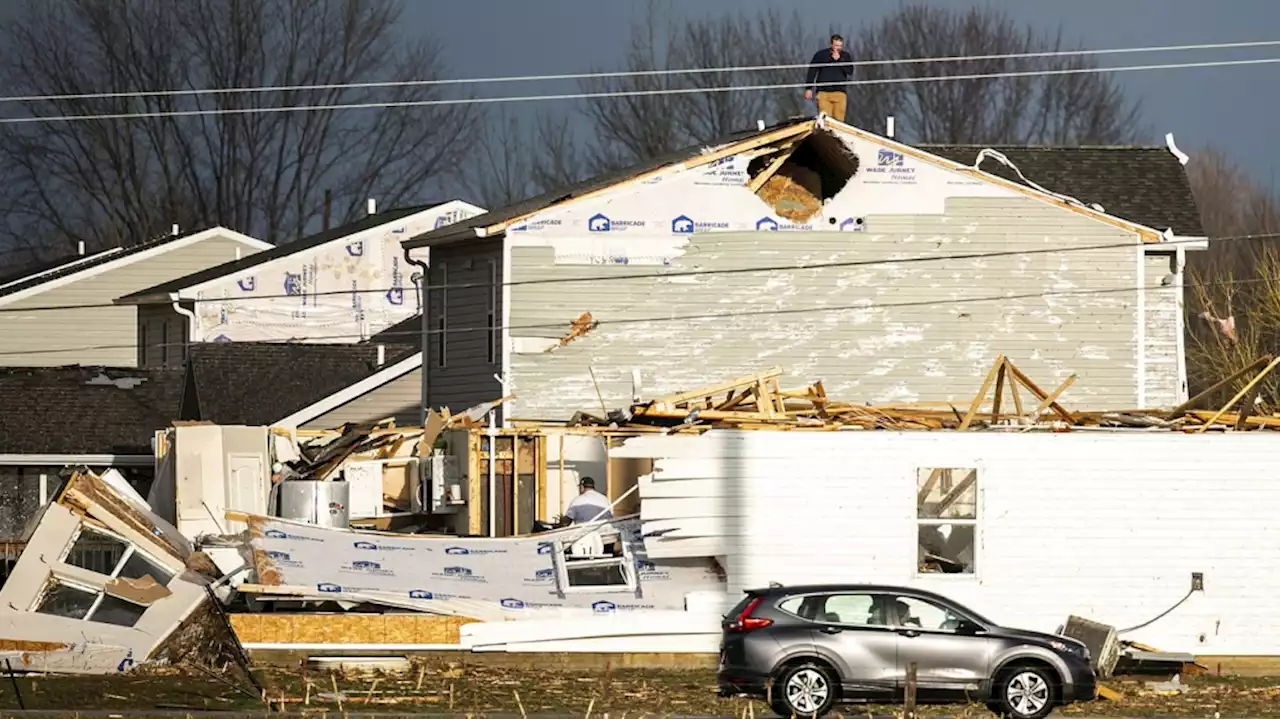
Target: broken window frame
[(626, 560), (55, 579), (130, 550), (923, 488)]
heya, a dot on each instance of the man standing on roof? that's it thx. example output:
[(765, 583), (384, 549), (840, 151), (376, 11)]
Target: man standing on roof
[(829, 70), (588, 503)]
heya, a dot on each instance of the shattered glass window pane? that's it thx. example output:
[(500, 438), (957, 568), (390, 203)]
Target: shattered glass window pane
[(20, 498), (114, 610), (610, 575), (947, 493), (63, 600), (138, 566), (96, 552), (946, 548)]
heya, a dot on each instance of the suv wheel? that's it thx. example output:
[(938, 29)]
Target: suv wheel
[(804, 690), (1024, 692)]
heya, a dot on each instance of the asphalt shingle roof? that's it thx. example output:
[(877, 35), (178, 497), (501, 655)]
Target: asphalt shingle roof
[(260, 383), (281, 250), (85, 410), (1146, 185)]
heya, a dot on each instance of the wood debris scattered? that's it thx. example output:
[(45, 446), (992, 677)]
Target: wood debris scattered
[(1008, 399)]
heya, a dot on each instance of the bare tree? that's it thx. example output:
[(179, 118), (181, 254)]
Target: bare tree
[(263, 172), (1024, 109), (1234, 304), (1045, 109)]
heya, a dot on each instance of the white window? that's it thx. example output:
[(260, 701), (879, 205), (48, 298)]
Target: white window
[(111, 557), (947, 520), (599, 561)]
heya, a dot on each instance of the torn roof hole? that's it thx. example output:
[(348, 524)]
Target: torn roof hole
[(802, 174), (104, 380)]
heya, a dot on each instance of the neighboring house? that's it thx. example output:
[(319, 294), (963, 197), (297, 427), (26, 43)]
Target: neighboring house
[(303, 385), (894, 316), (92, 330), (340, 285), (55, 417)]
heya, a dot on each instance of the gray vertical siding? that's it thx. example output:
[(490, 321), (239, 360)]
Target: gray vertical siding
[(914, 337), (472, 353), (400, 398), (1163, 311), (161, 330), (104, 335)]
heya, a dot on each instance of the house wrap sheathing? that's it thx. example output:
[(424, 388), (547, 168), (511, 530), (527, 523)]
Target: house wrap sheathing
[(1109, 525), (491, 579)]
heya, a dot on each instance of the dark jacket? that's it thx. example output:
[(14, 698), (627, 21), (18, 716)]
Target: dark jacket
[(824, 69)]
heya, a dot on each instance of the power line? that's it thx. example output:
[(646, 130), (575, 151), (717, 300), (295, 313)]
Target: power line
[(564, 326), (660, 275), (629, 73), (629, 93)]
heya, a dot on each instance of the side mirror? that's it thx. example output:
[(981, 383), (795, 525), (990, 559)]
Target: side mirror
[(968, 627)]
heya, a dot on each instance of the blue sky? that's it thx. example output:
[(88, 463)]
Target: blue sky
[(1231, 108)]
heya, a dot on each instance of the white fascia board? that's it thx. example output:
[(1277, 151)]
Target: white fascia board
[(364, 386), (191, 292), (135, 257), (988, 177), (36, 460)]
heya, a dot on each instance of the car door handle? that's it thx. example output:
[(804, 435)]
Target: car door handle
[(832, 630), (908, 632)]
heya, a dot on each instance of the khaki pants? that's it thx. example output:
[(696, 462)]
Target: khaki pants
[(832, 103)]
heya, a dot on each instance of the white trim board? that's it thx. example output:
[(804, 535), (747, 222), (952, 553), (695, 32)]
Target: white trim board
[(352, 392), (136, 257), (189, 292), (37, 460), (63, 266)]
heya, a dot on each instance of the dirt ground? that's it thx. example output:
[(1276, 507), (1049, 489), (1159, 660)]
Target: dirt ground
[(441, 689)]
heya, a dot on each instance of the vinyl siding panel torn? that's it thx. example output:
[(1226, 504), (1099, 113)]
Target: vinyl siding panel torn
[(1163, 310), (896, 332)]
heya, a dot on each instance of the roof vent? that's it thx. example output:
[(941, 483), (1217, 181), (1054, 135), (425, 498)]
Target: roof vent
[(382, 355), (888, 127), (373, 206), (80, 247), (174, 230)]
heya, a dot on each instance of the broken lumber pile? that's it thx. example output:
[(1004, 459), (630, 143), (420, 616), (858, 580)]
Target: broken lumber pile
[(1008, 398)]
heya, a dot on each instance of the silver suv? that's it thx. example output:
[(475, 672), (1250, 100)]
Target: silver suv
[(808, 648)]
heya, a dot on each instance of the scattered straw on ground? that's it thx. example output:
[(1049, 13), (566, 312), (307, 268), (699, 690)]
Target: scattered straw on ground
[(445, 688)]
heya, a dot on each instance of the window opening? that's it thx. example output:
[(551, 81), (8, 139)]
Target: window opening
[(946, 520), (599, 561)]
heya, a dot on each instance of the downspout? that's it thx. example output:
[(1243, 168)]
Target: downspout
[(425, 370), (191, 323)]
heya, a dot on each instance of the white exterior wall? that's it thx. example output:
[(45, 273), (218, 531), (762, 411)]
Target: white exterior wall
[(1104, 525)]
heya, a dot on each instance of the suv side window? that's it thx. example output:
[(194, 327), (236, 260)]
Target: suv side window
[(855, 609), (917, 613)]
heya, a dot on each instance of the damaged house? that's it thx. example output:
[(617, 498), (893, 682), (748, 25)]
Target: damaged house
[(339, 285), (892, 272)]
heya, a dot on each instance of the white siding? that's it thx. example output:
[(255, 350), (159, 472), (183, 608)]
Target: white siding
[(1104, 525)]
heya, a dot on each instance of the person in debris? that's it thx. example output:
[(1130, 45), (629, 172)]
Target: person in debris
[(829, 70), (588, 503)]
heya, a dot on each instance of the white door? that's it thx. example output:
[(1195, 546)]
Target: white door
[(247, 488)]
